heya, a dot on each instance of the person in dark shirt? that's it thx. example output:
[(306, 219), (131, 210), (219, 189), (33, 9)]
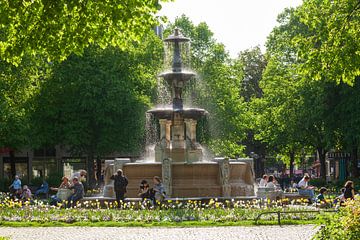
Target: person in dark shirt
[(321, 198), (120, 183), (78, 193), (144, 190), (349, 190)]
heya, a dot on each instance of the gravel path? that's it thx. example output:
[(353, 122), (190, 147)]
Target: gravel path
[(161, 233)]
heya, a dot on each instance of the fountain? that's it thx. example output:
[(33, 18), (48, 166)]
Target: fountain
[(178, 156)]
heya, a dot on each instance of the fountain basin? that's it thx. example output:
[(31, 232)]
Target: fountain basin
[(199, 179), (167, 113)]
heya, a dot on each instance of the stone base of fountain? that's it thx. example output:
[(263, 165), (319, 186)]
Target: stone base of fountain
[(219, 178), (178, 154)]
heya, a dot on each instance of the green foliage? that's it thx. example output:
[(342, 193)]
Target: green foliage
[(17, 86), (343, 225), (332, 50), (252, 62), (56, 29), (318, 182), (95, 104), (4, 184)]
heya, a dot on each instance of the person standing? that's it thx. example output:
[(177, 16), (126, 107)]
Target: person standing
[(15, 187), (120, 184)]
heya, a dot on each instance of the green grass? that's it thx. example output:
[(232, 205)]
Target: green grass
[(157, 224), (4, 238)]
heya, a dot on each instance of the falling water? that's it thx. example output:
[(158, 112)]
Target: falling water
[(163, 94), (151, 132)]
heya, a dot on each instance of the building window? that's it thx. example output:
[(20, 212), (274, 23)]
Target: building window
[(21, 167), (45, 152), (43, 168), (72, 165)]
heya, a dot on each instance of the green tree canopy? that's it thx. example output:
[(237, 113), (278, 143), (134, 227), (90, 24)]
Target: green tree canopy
[(95, 104), (332, 50), (56, 29)]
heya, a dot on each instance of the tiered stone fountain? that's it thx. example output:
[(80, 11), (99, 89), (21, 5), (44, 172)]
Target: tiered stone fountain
[(178, 156)]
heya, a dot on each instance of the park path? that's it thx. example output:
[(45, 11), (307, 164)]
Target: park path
[(299, 232)]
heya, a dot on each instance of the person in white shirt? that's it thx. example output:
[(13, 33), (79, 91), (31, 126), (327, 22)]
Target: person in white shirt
[(263, 181), (304, 188), (275, 191), (270, 183)]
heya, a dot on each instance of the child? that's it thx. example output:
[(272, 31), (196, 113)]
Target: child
[(340, 199), (321, 198)]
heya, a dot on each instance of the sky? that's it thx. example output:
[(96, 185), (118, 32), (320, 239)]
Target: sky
[(238, 24)]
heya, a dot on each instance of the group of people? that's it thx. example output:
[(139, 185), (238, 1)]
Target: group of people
[(70, 190), (304, 189), (18, 191), (155, 194)]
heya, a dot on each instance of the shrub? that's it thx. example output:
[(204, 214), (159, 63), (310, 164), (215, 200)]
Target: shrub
[(343, 225), (318, 182), (4, 185)]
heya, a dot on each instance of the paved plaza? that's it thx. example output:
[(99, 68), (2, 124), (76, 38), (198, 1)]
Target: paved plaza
[(161, 233)]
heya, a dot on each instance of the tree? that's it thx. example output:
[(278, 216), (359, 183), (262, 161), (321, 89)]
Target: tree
[(17, 86), (253, 63), (95, 104), (345, 121), (331, 52), (55, 29)]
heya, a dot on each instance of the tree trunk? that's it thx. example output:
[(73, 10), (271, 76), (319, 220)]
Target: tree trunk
[(12, 163), (98, 170), (354, 162), (292, 160), (322, 155), (90, 171)]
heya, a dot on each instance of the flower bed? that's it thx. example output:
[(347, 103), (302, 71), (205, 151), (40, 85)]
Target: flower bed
[(135, 212), (345, 224)]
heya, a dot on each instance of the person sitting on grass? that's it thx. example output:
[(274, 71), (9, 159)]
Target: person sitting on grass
[(77, 194), (349, 192), (340, 199), (320, 199), (305, 189)]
